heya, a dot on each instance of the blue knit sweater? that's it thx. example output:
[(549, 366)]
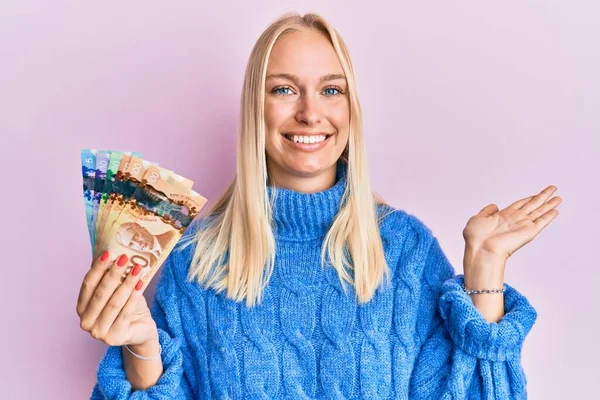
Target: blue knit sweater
[(420, 337)]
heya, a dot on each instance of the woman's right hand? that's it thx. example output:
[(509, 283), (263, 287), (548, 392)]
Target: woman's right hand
[(115, 313)]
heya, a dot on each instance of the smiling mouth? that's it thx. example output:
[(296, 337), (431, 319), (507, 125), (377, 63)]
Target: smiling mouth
[(289, 137)]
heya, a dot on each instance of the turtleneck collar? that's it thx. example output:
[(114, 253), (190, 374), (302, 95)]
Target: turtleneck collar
[(302, 216)]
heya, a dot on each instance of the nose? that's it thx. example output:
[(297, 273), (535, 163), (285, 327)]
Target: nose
[(309, 111)]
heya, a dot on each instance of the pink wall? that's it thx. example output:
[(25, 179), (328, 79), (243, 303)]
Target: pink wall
[(464, 104)]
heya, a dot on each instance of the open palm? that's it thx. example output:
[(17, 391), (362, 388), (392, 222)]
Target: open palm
[(500, 233)]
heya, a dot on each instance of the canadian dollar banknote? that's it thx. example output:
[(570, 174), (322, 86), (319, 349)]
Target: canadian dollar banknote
[(135, 207)]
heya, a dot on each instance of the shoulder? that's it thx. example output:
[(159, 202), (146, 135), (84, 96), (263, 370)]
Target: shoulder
[(413, 248), (396, 222)]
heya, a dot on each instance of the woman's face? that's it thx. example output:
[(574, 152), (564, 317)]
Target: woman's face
[(304, 95)]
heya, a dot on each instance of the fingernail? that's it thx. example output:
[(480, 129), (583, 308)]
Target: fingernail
[(136, 270), (139, 285), (104, 256), (122, 260)]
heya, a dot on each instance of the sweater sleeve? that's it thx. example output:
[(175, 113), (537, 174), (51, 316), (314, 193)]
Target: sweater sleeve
[(112, 383), (461, 354)]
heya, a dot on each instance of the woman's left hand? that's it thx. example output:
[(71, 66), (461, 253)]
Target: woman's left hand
[(500, 234), (492, 236)]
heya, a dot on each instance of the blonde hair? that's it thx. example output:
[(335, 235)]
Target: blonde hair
[(239, 229)]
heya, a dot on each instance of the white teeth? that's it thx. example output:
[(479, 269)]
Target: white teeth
[(308, 139)]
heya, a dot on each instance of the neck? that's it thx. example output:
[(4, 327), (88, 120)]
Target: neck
[(306, 215)]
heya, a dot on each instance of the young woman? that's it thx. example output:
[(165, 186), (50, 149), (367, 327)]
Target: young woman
[(301, 283)]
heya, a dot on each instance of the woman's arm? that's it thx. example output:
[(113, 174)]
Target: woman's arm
[(462, 355), (114, 372), (143, 374)]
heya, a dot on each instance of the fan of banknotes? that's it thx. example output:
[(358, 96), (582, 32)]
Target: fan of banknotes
[(135, 207)]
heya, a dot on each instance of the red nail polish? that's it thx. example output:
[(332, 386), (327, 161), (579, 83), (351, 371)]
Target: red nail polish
[(136, 270), (122, 260), (139, 285), (104, 256)]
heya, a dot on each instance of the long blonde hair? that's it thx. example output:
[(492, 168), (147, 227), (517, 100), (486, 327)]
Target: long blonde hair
[(235, 251)]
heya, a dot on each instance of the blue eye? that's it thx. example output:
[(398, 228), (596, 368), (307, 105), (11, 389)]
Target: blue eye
[(277, 90), (332, 94), (330, 91)]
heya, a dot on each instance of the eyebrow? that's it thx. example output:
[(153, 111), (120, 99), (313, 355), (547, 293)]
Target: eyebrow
[(295, 79)]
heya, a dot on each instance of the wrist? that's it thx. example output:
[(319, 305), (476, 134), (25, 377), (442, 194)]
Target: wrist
[(148, 348), (481, 270)]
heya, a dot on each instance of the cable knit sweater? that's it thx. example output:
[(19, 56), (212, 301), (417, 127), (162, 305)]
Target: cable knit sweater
[(420, 337)]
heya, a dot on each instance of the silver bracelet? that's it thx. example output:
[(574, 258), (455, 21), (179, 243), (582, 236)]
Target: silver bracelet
[(484, 291), (146, 358)]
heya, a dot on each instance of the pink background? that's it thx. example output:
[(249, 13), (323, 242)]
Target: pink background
[(464, 104)]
